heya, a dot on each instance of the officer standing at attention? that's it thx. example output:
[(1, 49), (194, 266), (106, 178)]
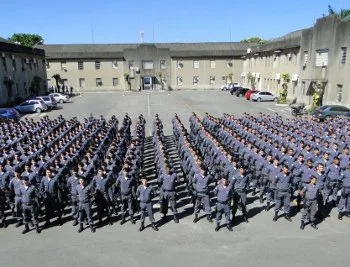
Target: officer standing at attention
[(310, 193), (344, 202), (29, 195), (72, 183), (84, 193), (145, 193), (15, 186), (239, 185), (283, 185), (201, 183), (3, 222), (223, 194)]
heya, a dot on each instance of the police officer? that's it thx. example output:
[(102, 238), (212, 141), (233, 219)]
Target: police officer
[(201, 183), (310, 193), (84, 193), (240, 185), (3, 222), (283, 186), (344, 202), (15, 186), (145, 193), (72, 183), (223, 194), (168, 180), (29, 195), (127, 191)]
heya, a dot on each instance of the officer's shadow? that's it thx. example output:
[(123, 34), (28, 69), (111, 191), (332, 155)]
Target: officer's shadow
[(251, 213)]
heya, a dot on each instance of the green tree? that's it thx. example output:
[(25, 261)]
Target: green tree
[(127, 79), (58, 80), (256, 40), (344, 13), (26, 39), (251, 79), (230, 77), (284, 91)]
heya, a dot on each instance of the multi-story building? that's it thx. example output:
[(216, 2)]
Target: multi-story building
[(22, 72), (311, 57)]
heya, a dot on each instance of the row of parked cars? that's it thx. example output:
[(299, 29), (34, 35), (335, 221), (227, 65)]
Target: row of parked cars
[(36, 104), (252, 94)]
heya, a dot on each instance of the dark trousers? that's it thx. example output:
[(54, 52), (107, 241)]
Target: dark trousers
[(222, 209), (239, 198), (103, 205), (85, 211), (202, 199), (344, 202), (52, 206), (146, 208), (166, 199), (127, 205), (282, 198), (30, 213), (309, 210), (2, 206), (17, 207), (75, 209)]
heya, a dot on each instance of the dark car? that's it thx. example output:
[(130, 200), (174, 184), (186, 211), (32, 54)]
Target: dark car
[(241, 92), (9, 113), (234, 90), (328, 111)]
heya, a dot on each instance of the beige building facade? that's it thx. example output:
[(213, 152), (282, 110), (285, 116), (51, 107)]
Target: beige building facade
[(22, 72)]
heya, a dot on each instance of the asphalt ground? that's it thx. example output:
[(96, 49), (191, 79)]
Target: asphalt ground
[(261, 242)]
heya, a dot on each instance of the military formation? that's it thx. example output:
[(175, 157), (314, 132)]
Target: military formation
[(51, 167)]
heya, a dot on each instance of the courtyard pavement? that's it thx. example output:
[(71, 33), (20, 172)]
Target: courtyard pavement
[(261, 242)]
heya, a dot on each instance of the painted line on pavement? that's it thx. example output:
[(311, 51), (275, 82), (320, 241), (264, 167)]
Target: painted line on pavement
[(271, 109)]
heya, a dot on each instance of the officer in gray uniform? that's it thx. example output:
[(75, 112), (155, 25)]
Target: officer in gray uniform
[(72, 183), (145, 193), (310, 193), (344, 202), (283, 185), (201, 183), (15, 186), (223, 194), (3, 222), (84, 193), (30, 205), (240, 185)]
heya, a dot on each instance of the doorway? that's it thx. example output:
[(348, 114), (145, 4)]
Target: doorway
[(147, 83)]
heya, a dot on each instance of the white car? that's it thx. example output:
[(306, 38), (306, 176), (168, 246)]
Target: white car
[(60, 98), (32, 105), (229, 86), (263, 96)]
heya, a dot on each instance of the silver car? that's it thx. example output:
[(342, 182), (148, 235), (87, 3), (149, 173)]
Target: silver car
[(50, 102), (263, 96), (32, 105), (60, 98)]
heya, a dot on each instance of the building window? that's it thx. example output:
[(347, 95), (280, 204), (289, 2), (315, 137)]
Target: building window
[(321, 58), (162, 64), (343, 55), (147, 65), (195, 80), (63, 65), (212, 64), (115, 64), (98, 81), (82, 82), (97, 65), (303, 87), (339, 92), (179, 80), (229, 63), (35, 63), (80, 65), (196, 64), (4, 65), (180, 65), (223, 78), (14, 66), (212, 80), (131, 64), (306, 56), (115, 81)]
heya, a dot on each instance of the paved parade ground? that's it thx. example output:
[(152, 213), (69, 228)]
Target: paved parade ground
[(261, 242)]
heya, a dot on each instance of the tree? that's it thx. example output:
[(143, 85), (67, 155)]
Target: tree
[(230, 77), (127, 79), (284, 91), (256, 40), (342, 14), (251, 79), (26, 39), (58, 80)]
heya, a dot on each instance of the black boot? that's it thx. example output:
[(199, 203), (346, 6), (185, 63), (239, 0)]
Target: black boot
[(217, 228), (313, 225), (132, 219), (18, 224), (261, 199), (275, 217), (37, 229), (47, 224), (229, 227), (302, 225), (267, 206), (209, 218), (122, 221), (176, 220), (4, 223), (31, 224), (92, 229), (75, 222), (26, 229), (142, 226), (340, 216), (154, 227), (287, 218), (81, 228), (195, 218), (110, 221), (254, 192), (59, 221), (245, 218)]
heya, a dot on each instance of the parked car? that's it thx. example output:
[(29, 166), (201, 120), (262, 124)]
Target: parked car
[(328, 111), (241, 92), (263, 96), (32, 105), (249, 93), (9, 113), (230, 86), (347, 114), (234, 90), (48, 100), (60, 98)]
